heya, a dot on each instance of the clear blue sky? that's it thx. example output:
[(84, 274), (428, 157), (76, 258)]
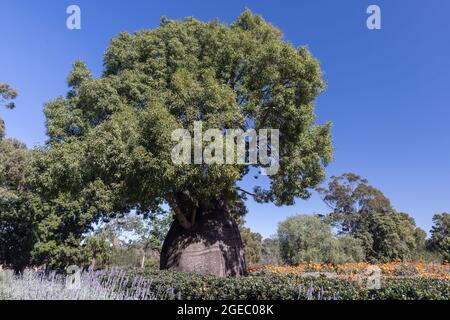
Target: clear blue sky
[(388, 90)]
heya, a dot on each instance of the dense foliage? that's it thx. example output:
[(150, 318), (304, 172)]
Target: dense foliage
[(6, 95), (252, 245), (440, 235), (291, 287), (17, 204), (365, 213), (309, 238), (109, 147)]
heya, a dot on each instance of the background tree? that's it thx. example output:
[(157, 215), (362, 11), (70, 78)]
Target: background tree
[(270, 251), (149, 234), (16, 203), (97, 251), (440, 235), (130, 237), (252, 242), (6, 95), (349, 196), (109, 148), (421, 251), (306, 238), (388, 236), (347, 248), (361, 210)]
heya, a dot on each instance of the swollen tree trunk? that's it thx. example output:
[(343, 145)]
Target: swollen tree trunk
[(212, 246)]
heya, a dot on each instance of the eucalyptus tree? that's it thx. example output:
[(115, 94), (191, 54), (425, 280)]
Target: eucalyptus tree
[(440, 235), (349, 197), (110, 139), (364, 212), (6, 95)]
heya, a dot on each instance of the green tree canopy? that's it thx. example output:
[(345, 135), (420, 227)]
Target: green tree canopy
[(6, 95), (109, 147), (16, 212), (440, 235), (349, 196), (16, 203), (305, 238), (252, 245), (389, 236), (364, 212)]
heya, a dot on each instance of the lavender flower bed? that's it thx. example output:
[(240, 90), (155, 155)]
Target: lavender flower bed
[(109, 284)]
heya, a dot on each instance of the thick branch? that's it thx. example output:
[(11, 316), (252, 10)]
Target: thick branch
[(193, 216)]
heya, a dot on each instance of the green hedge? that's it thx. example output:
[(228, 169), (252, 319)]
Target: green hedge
[(177, 285)]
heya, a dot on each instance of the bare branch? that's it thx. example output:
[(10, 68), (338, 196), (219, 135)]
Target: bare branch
[(246, 192)]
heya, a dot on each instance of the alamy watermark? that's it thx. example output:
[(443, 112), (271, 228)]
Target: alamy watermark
[(73, 278), (73, 21), (374, 20), (227, 146), (373, 278)]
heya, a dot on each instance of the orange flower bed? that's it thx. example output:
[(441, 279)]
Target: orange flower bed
[(391, 269)]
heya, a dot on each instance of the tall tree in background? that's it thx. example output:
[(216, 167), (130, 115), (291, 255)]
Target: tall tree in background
[(109, 148), (252, 242), (388, 236), (13, 154), (16, 204), (126, 241), (150, 234), (364, 212), (6, 95), (350, 196), (305, 238), (440, 235)]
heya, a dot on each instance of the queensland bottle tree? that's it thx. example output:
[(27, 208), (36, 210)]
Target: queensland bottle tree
[(111, 141)]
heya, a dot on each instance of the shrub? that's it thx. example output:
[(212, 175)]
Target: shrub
[(440, 235), (252, 242), (305, 238), (289, 287), (347, 249), (107, 284)]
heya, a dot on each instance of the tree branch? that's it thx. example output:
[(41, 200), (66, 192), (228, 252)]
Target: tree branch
[(193, 216), (246, 192), (181, 218)]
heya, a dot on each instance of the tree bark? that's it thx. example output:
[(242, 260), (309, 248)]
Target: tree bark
[(143, 260), (211, 246), (93, 263)]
